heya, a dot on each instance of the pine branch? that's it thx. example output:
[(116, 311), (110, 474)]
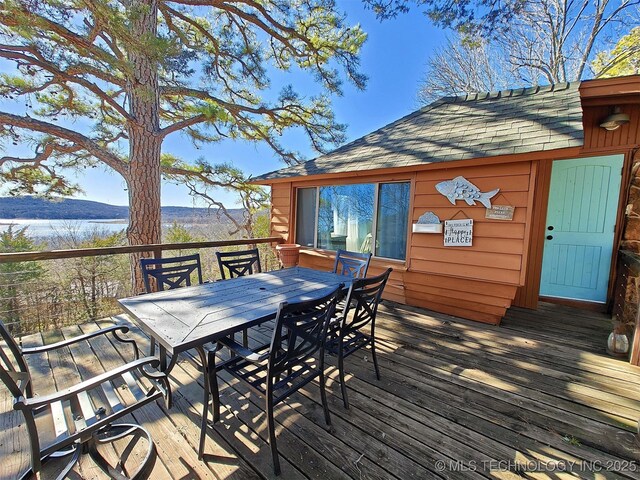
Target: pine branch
[(60, 76), (182, 124), (83, 44), (197, 192), (76, 138)]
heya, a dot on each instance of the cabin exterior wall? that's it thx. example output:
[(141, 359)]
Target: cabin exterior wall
[(503, 266), (477, 282)]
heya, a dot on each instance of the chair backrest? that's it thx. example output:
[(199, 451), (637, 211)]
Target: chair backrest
[(300, 331), (14, 371), (352, 264), (170, 273), (363, 299), (239, 264)]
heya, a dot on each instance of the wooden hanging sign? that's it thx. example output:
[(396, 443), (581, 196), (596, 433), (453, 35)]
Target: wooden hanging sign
[(500, 212), (458, 233)]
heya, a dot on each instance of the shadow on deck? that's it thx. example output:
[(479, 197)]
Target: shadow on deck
[(457, 399)]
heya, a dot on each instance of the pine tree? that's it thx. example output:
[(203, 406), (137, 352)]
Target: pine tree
[(106, 82)]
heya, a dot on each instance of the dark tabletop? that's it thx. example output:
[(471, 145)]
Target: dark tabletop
[(188, 317)]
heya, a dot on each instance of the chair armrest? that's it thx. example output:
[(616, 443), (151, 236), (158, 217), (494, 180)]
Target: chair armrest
[(37, 402), (244, 352), (79, 338)]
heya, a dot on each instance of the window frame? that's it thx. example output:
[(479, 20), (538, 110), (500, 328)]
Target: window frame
[(374, 225)]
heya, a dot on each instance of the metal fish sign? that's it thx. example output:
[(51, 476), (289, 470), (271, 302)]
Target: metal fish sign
[(462, 189)]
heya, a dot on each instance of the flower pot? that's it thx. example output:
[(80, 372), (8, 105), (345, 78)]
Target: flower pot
[(288, 254)]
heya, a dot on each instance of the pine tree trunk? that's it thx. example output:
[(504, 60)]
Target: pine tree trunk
[(143, 176)]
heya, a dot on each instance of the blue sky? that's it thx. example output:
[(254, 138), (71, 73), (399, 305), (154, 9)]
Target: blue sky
[(393, 58)]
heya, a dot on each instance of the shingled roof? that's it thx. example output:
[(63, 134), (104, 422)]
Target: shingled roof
[(459, 128)]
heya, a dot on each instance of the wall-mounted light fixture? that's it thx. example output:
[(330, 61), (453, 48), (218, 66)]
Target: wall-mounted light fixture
[(615, 120)]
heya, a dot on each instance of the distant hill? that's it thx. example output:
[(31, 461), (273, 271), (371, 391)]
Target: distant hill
[(30, 208)]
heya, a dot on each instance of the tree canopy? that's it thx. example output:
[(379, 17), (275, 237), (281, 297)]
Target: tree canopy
[(543, 42), (458, 67), (104, 83), (623, 59), (13, 276), (465, 16), (75, 59)]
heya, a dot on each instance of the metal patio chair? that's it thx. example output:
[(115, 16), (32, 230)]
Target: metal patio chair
[(172, 272), (294, 358), (239, 264), (77, 419), (352, 264), (169, 273), (347, 333)]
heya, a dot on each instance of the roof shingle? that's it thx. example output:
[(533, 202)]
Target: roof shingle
[(459, 128)]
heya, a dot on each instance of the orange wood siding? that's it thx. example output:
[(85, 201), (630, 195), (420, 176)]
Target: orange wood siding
[(281, 214), (477, 282), (324, 260)]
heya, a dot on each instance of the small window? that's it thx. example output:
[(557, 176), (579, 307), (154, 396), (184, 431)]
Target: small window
[(306, 217), (365, 217)]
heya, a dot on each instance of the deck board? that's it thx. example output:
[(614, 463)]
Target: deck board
[(539, 388)]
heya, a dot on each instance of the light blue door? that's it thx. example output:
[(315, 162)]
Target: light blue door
[(581, 218)]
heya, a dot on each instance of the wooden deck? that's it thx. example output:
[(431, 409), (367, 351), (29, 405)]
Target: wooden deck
[(478, 398)]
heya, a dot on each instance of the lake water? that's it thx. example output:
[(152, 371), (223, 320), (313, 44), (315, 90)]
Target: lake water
[(52, 228)]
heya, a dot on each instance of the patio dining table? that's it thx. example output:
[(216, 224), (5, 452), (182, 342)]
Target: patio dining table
[(192, 317)]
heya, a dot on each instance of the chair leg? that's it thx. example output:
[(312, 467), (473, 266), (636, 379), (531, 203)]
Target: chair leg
[(116, 432), (375, 358), (272, 434), (213, 387), (74, 459), (75, 450), (343, 385), (245, 338), (323, 396), (205, 402)]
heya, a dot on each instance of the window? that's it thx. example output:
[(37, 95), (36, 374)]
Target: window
[(364, 217), (306, 217), (393, 219)]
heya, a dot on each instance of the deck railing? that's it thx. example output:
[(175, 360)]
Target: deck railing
[(40, 290)]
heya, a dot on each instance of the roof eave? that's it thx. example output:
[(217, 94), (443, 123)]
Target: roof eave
[(557, 153), (610, 87)]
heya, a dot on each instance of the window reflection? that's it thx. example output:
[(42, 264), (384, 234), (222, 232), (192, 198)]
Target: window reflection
[(393, 217), (345, 217), (306, 216)]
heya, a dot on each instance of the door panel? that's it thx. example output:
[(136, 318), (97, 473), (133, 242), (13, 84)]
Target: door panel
[(581, 216)]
